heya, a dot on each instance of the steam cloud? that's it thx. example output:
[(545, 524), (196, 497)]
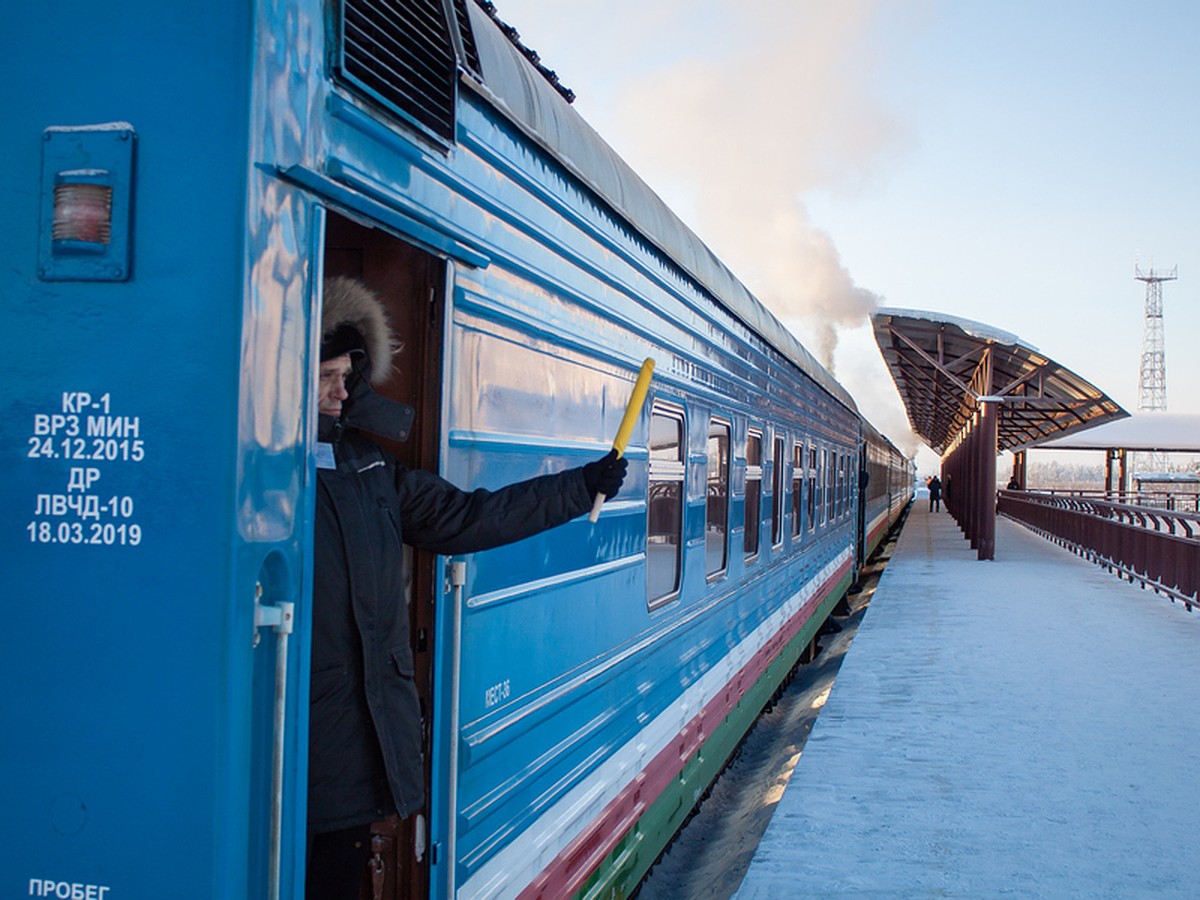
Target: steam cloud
[(734, 111), (781, 108)]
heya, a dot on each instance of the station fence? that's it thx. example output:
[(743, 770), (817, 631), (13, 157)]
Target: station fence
[(1180, 501), (1158, 547)]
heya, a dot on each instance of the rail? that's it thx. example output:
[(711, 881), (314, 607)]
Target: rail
[(1157, 547), (1180, 501)]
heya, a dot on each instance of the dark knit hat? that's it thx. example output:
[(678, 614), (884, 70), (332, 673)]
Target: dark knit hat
[(345, 339)]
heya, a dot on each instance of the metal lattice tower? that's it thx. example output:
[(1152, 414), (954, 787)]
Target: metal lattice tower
[(1152, 378)]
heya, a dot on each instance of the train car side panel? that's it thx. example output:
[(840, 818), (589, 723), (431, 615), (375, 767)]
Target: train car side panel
[(132, 585)]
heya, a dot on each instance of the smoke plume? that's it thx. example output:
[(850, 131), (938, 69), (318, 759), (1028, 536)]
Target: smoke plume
[(735, 111), (781, 107)]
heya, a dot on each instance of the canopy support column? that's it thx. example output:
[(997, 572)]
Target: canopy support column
[(989, 416)]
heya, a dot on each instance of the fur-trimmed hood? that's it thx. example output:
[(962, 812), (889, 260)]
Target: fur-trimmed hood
[(348, 302)]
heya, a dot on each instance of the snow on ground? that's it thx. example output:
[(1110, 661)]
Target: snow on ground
[(1022, 727)]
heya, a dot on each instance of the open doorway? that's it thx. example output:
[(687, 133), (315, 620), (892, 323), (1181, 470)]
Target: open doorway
[(411, 284)]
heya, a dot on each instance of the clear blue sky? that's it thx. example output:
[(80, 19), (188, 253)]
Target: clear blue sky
[(1002, 162)]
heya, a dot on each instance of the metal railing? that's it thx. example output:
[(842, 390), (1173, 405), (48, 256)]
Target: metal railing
[(1157, 547), (1181, 501)]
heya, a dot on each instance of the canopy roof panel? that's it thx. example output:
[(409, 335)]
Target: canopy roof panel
[(1148, 431), (945, 366)]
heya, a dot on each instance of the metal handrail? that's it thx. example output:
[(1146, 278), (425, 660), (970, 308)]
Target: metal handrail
[(1158, 548), (1181, 501)]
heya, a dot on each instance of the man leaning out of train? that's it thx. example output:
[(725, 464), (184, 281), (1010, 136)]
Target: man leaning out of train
[(365, 754)]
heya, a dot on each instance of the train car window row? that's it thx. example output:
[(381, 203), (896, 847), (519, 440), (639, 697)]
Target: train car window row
[(821, 481)]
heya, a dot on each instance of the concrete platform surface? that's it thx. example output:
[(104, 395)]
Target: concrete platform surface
[(1023, 727)]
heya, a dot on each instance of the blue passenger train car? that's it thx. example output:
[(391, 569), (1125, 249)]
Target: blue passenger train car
[(176, 187), (887, 477)]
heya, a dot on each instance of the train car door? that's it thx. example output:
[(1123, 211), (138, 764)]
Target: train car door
[(411, 283)]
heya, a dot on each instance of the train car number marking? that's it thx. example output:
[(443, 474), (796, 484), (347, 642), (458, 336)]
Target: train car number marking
[(497, 693)]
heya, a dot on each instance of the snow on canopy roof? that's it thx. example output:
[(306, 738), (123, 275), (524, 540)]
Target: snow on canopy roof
[(522, 94), (967, 326), (1159, 432), (944, 366)]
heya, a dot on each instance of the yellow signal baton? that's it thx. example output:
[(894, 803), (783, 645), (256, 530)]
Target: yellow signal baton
[(633, 411)]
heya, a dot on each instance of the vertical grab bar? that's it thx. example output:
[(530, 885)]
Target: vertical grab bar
[(281, 618), (458, 578)]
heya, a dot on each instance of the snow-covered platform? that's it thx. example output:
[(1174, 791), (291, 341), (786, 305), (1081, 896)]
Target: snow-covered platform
[(1025, 727)]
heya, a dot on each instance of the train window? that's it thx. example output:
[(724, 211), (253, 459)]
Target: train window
[(812, 487), (753, 491), (852, 466), (819, 468), (849, 484), (664, 508), (797, 486), (840, 476), (777, 493), (716, 503), (852, 474), (826, 478), (852, 479), (835, 482), (843, 484), (833, 485)]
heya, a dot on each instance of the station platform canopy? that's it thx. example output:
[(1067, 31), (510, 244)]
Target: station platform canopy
[(944, 367), (972, 391)]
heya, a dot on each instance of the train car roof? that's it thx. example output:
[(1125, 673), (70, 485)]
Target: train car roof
[(874, 434), (517, 89)]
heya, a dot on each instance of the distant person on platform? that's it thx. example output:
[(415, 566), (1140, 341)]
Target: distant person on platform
[(365, 744), (935, 494)]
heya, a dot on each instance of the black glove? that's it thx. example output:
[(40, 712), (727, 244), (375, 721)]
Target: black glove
[(604, 476)]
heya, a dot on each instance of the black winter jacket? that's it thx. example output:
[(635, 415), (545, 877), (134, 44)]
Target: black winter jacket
[(365, 720)]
